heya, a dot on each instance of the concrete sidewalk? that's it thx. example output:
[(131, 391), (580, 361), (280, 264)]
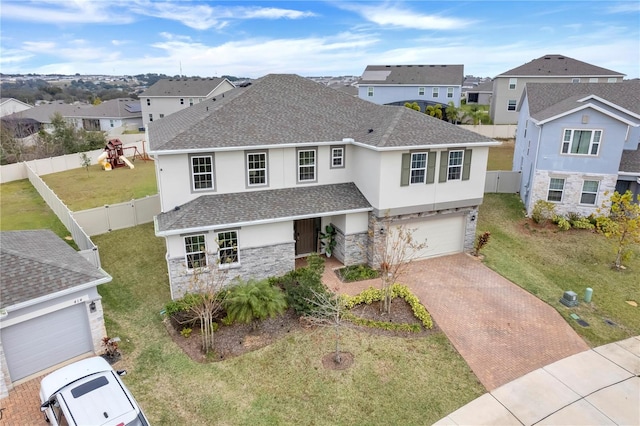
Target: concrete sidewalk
[(600, 386)]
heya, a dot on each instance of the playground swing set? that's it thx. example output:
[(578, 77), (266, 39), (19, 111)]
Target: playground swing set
[(113, 155)]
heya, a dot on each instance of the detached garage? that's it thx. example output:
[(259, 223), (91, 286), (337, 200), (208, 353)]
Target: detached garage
[(50, 310)]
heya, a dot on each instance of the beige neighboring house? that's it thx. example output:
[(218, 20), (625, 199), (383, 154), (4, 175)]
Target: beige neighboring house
[(50, 309), (248, 182), (169, 95), (10, 106), (509, 86)]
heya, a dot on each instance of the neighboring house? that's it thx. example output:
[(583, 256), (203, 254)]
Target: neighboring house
[(480, 94), (575, 142), (508, 86), (114, 113), (424, 84), (50, 310), (169, 95), (10, 105), (247, 182)]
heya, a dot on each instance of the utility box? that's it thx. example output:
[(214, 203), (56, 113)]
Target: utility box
[(570, 299)]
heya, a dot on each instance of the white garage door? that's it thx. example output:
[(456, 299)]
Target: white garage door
[(42, 342), (444, 235)]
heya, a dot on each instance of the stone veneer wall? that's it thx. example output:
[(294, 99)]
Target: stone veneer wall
[(376, 239), (572, 191), (258, 263), (351, 249), (96, 325)]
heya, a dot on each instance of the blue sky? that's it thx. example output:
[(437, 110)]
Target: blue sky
[(310, 38)]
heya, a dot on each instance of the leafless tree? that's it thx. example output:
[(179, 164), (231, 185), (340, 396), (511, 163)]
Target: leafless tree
[(328, 311)]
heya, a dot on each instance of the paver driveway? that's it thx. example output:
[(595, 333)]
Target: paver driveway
[(502, 331)]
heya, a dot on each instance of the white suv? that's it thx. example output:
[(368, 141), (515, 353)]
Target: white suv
[(89, 392)]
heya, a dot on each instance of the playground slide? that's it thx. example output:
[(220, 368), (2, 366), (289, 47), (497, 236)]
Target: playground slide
[(126, 161), (102, 160)]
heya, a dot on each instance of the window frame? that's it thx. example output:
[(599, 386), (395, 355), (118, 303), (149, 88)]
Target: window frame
[(192, 173), (150, 117), (148, 101), (249, 169), (421, 91), (422, 168), (234, 249), (313, 166), (190, 101), (455, 169), (512, 105), (370, 91), (333, 157), (161, 116), (435, 92), (513, 83), (181, 101), (612, 80), (450, 91), (593, 193), (566, 147), (593, 79), (201, 253), (575, 80), (556, 190)]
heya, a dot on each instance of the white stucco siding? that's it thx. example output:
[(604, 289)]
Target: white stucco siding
[(356, 223), (265, 235), (174, 181), (366, 172)]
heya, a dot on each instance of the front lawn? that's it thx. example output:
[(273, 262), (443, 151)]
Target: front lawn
[(546, 262), (393, 380)]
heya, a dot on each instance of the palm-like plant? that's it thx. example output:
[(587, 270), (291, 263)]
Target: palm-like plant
[(254, 300), (434, 110)]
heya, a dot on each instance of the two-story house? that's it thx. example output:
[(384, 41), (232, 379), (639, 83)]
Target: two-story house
[(169, 95), (508, 86), (248, 181), (11, 106), (424, 84), (577, 141)]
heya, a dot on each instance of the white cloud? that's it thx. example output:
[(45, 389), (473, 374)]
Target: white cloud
[(626, 7), (64, 12), (393, 16), (271, 13), (120, 42)]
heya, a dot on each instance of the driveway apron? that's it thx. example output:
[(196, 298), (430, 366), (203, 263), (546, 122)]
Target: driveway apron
[(502, 331)]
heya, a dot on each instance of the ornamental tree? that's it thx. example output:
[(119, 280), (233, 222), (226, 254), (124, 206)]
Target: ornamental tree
[(621, 225)]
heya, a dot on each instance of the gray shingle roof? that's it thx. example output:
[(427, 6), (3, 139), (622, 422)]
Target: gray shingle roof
[(547, 100), (114, 108), (289, 109), (555, 65), (630, 161), (237, 208), (38, 263), (195, 87), (413, 74)]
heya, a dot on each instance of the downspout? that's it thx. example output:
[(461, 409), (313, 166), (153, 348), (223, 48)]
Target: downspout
[(535, 166)]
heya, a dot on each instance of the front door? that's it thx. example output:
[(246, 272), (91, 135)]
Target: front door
[(306, 234)]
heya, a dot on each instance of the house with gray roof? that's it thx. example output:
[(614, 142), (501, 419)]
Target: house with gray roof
[(10, 105), (576, 142), (50, 309), (169, 95), (509, 86), (249, 180), (423, 84)]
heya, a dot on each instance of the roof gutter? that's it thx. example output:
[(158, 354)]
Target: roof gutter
[(255, 222)]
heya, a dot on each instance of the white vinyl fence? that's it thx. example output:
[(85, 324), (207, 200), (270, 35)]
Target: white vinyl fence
[(101, 220), (502, 181), (497, 131), (88, 250)]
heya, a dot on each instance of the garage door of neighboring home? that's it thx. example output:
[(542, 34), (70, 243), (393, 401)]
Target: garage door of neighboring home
[(443, 235), (45, 341)]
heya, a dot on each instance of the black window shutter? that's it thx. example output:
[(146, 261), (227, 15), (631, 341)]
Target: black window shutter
[(466, 164), (406, 170)]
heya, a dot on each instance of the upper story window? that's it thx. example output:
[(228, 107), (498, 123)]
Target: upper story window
[(512, 83), (421, 91), (369, 91), (455, 165), (161, 115), (306, 165), (195, 251), (111, 123), (435, 92), (190, 101), (337, 157), (256, 168), (181, 101), (575, 80), (228, 248), (583, 142), (511, 106), (556, 188), (593, 79), (612, 80), (418, 167), (150, 117), (449, 92), (202, 172), (589, 192), (148, 102)]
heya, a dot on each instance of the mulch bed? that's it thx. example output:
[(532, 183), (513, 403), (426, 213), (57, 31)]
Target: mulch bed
[(237, 339)]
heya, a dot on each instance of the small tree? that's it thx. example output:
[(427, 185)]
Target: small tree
[(434, 111), (621, 225), (328, 309), (452, 113), (85, 161), (395, 255)]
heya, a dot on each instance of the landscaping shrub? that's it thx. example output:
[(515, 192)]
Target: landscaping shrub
[(582, 223), (562, 222), (543, 211), (299, 285), (481, 241), (357, 273), (254, 300)]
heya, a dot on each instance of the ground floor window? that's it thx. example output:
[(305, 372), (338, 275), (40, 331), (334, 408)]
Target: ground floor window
[(196, 251), (228, 247), (556, 188), (589, 192)]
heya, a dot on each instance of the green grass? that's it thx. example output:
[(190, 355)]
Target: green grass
[(546, 262), (21, 207), (393, 380), (501, 157), (81, 190)]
